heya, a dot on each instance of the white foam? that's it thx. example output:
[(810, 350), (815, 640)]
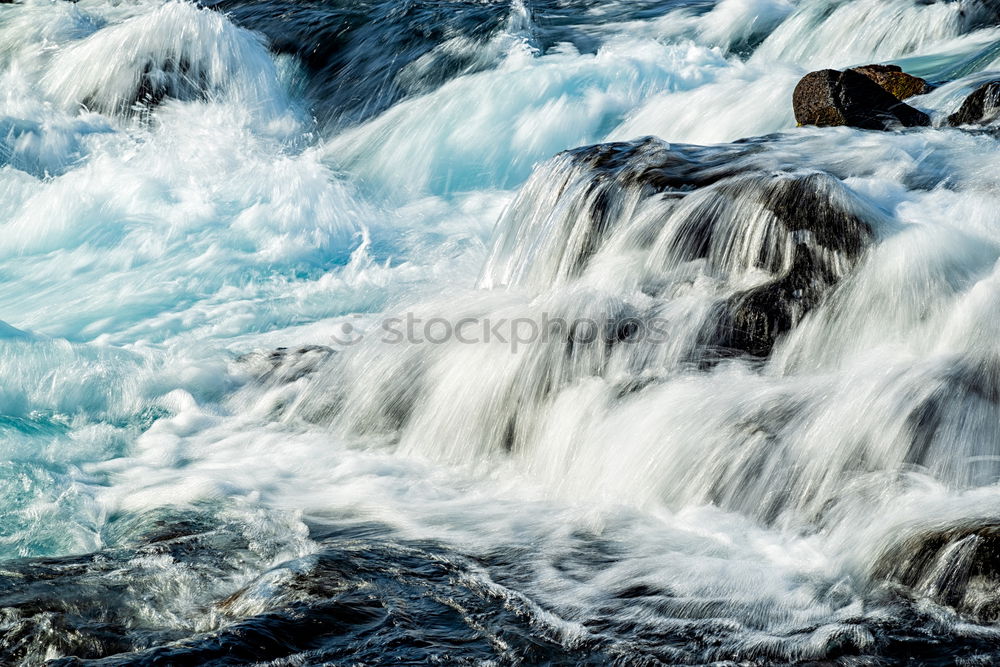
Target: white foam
[(490, 128), (821, 34), (178, 49), (145, 254)]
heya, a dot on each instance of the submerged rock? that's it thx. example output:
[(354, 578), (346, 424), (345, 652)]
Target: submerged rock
[(178, 51), (969, 385), (817, 212), (751, 322), (829, 98), (981, 107), (957, 566), (585, 193), (282, 366), (158, 81), (894, 80), (774, 242)]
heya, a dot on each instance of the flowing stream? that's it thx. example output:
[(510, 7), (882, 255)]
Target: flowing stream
[(494, 333)]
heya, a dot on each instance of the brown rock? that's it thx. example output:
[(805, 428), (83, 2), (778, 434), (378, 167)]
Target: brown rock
[(830, 98), (894, 80)]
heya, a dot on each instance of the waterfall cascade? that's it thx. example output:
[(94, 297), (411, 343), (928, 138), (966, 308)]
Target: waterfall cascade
[(527, 332)]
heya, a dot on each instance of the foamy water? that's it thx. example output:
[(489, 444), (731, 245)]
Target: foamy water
[(185, 190)]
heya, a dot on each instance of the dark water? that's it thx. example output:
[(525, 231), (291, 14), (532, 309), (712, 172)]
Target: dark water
[(366, 598), (356, 51)]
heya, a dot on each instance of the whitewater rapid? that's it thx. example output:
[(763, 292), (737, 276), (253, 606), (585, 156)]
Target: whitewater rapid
[(210, 213)]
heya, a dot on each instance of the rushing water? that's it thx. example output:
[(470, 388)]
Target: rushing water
[(317, 348)]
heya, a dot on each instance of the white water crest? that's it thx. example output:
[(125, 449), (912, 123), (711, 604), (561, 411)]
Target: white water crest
[(172, 215), (825, 34), (175, 51)]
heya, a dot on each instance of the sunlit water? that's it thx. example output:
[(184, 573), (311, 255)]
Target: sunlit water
[(187, 189)]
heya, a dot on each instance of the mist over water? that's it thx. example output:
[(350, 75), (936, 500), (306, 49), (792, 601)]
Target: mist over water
[(728, 390)]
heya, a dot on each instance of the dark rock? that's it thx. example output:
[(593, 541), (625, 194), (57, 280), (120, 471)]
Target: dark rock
[(832, 238), (657, 166), (829, 98), (981, 107), (809, 230), (751, 322), (957, 566), (176, 79), (894, 80)]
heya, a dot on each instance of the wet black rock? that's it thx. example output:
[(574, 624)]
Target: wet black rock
[(818, 211), (981, 107), (829, 98), (596, 186), (658, 166), (751, 322), (809, 230), (171, 78), (817, 231), (614, 172), (157, 80), (957, 566)]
